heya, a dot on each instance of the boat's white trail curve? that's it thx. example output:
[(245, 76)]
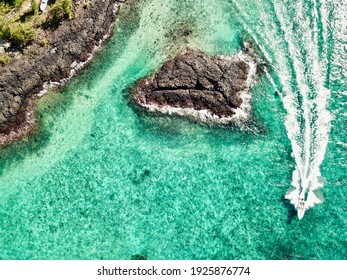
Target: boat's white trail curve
[(298, 54)]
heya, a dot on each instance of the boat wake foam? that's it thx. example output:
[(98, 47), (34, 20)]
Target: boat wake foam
[(296, 46)]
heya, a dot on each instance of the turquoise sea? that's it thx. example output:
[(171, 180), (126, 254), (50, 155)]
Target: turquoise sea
[(102, 180)]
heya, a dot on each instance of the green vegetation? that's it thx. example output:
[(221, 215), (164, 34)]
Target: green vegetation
[(15, 25), (4, 59), (44, 42), (34, 7), (61, 9), (20, 19), (19, 33), (4, 12)]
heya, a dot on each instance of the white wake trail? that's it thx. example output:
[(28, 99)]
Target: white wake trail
[(294, 35), (314, 103)]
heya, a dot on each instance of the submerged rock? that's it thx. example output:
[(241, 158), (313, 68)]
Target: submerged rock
[(193, 84)]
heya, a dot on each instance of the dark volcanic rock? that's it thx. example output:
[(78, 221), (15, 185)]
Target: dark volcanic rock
[(70, 43), (193, 80)]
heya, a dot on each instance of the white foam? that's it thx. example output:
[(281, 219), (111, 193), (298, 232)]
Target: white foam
[(309, 139), (311, 146)]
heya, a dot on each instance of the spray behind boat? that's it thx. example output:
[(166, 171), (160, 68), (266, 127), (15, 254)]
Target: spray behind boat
[(305, 195)]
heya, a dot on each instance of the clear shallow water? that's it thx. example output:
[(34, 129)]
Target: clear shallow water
[(102, 181)]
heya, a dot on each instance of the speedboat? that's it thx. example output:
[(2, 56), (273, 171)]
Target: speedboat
[(301, 208)]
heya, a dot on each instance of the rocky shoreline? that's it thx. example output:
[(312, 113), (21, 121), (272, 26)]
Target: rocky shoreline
[(71, 45), (199, 87)]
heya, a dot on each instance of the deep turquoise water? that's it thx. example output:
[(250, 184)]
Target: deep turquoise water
[(100, 180)]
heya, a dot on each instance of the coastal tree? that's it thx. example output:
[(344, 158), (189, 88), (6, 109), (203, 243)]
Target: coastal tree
[(34, 6), (4, 59), (4, 10), (19, 33), (61, 9)]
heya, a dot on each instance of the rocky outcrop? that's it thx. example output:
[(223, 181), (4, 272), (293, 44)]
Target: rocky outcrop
[(196, 85), (71, 43)]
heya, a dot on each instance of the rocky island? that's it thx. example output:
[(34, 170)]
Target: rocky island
[(59, 51), (200, 87)]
